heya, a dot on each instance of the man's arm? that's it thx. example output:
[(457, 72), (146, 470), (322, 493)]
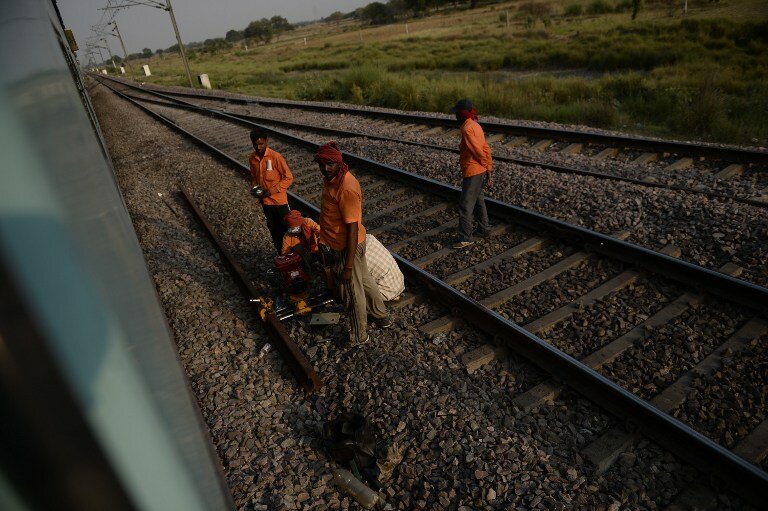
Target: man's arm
[(346, 275), (254, 172)]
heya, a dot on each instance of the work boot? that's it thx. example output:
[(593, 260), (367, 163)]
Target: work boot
[(383, 322)]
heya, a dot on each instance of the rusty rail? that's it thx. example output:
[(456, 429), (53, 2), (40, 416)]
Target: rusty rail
[(295, 358)]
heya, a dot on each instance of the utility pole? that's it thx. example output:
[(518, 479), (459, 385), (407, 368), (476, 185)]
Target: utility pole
[(125, 53), (111, 57), (117, 5), (181, 45)]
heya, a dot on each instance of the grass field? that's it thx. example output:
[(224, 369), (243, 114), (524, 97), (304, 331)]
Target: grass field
[(703, 75)]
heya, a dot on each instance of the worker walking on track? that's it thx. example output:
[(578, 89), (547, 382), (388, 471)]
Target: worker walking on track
[(270, 179), (341, 229), (476, 166)]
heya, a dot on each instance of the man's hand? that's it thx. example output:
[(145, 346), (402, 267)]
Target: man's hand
[(489, 181), (346, 276)]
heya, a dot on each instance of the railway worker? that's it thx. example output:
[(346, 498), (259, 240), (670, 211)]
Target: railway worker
[(270, 178), (476, 167), (341, 229), (301, 236), (384, 269)]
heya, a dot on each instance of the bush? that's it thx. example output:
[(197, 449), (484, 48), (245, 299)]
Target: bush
[(535, 9), (573, 10), (623, 6), (703, 112), (599, 7)]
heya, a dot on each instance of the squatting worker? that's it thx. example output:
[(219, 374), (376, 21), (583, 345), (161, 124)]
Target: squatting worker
[(341, 229), (301, 236), (476, 166), (270, 178), (384, 269), (300, 232)]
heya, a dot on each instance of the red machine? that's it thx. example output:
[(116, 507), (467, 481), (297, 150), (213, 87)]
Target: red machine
[(292, 274)]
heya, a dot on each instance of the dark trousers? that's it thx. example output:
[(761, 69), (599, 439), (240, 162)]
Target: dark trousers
[(472, 200), (275, 224)]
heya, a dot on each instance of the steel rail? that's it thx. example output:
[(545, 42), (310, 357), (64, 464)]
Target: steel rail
[(694, 276), (295, 358), (648, 144), (740, 476), (518, 161)]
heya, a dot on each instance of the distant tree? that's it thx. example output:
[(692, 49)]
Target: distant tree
[(378, 13), (260, 29), (415, 6), (146, 53), (234, 35), (280, 24), (213, 45), (173, 49), (159, 52), (335, 17)]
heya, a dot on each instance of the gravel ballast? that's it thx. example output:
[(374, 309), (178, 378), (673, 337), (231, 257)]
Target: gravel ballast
[(467, 447)]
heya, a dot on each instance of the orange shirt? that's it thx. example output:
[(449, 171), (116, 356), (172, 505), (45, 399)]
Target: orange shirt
[(474, 152), (341, 203), (290, 240), (271, 172)]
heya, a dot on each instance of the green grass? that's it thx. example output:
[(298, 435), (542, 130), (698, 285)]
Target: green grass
[(703, 76)]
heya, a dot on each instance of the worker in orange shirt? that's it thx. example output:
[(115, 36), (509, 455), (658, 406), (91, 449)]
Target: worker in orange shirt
[(341, 229), (301, 236), (476, 166), (270, 179)]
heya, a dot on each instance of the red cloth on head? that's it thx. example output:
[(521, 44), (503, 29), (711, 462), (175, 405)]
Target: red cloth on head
[(468, 114), (294, 219), (330, 152)]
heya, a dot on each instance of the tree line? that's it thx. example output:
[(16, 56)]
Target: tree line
[(267, 29), (382, 13)]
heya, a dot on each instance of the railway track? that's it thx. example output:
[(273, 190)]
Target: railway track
[(723, 173), (678, 323)]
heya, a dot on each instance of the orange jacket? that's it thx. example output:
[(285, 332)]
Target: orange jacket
[(341, 203), (291, 240), (474, 152), (271, 172)]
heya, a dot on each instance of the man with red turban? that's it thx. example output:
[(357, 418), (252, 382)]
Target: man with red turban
[(476, 166), (341, 229)]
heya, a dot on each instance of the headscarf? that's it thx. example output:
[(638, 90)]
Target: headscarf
[(465, 109), (330, 152), (294, 219), (468, 114)]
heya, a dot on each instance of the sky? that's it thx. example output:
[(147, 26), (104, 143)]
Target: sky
[(147, 27)]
